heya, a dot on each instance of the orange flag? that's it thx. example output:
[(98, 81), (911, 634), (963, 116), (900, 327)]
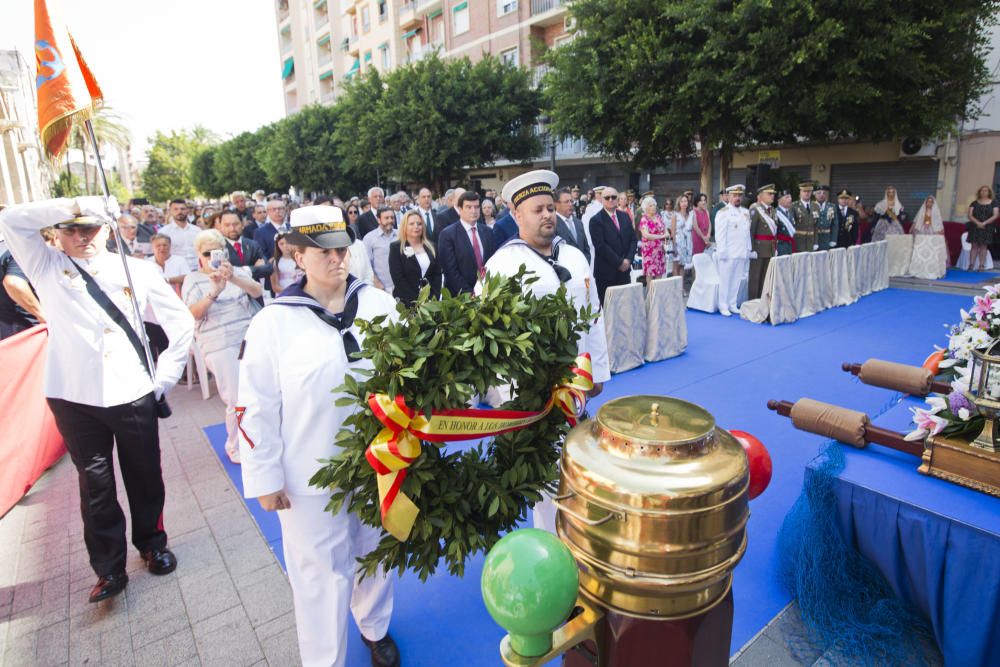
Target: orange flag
[(67, 90)]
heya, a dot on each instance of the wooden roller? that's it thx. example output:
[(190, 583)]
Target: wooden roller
[(911, 380), (833, 421)]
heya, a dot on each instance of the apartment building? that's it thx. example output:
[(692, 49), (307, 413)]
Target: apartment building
[(24, 173), (324, 43)]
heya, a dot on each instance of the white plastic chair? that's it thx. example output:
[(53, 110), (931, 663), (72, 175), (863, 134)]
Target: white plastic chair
[(704, 293), (197, 359), (963, 258)]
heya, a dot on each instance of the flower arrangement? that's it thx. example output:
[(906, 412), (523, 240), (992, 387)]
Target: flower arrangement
[(955, 414)]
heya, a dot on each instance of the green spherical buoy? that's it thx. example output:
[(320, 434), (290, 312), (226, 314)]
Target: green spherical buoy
[(529, 586)]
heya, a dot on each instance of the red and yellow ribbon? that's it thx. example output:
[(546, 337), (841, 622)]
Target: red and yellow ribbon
[(398, 444)]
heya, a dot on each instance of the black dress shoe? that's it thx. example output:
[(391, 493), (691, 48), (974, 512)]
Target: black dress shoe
[(160, 561), (109, 586), (384, 652)]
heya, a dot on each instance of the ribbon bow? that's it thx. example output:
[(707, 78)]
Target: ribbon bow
[(397, 445)]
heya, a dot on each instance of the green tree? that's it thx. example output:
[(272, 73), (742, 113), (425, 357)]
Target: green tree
[(110, 130), (168, 173), (301, 151), (203, 172), (435, 118), (67, 185), (645, 79), (236, 166)]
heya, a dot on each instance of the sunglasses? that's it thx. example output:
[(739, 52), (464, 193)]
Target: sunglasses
[(610, 197), (352, 213)]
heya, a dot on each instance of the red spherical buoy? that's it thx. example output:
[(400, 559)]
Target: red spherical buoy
[(759, 461)]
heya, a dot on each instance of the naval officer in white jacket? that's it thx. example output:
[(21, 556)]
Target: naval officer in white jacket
[(295, 352), (732, 249), (96, 382), (543, 253)]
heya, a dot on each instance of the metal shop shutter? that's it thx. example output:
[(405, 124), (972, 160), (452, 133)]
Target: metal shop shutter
[(914, 181), (674, 185)]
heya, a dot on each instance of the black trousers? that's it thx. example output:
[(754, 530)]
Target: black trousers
[(604, 282), (90, 434)]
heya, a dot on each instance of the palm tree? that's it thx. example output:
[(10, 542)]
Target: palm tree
[(109, 128)]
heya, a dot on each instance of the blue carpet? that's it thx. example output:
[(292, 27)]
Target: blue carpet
[(970, 277), (731, 367)]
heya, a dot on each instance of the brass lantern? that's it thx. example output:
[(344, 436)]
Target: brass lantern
[(986, 368)]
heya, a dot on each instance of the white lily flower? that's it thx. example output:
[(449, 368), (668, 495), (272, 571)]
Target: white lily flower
[(964, 414)]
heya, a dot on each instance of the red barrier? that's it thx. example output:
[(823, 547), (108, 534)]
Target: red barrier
[(29, 440)]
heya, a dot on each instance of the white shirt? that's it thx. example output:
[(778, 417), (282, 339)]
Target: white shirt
[(173, 267), (90, 359), (182, 242), (361, 268), (291, 361), (732, 232), (581, 289)]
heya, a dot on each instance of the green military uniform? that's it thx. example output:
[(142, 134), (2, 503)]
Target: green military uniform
[(826, 226), (763, 239), (806, 220)]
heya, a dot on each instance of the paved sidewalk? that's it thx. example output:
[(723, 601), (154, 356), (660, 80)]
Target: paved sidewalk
[(228, 603)]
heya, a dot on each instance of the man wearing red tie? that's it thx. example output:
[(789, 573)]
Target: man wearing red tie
[(464, 248), (614, 243), (243, 251)]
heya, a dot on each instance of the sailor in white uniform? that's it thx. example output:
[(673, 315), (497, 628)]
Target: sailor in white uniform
[(296, 350), (96, 381), (732, 243), (555, 263)]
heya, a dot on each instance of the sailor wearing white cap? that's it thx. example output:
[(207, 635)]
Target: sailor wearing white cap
[(99, 386), (296, 350), (732, 237), (554, 262)]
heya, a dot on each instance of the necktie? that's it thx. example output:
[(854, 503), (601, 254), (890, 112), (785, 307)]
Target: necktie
[(427, 222), (614, 219), (571, 227), (239, 250), (477, 250)]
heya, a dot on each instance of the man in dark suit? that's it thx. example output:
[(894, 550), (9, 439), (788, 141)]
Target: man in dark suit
[(452, 211), (568, 226), (275, 219), (504, 228), (256, 221), (614, 244), (465, 247), (242, 251), (433, 223), (849, 230), (368, 221)]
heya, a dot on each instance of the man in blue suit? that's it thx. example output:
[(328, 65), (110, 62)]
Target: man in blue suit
[(264, 236), (614, 243), (465, 247)]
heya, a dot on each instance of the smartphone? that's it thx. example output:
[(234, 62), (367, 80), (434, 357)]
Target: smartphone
[(218, 257)]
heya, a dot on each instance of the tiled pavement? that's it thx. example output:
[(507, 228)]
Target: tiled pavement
[(228, 603)]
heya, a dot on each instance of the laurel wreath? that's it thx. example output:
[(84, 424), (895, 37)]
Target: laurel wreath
[(440, 354)]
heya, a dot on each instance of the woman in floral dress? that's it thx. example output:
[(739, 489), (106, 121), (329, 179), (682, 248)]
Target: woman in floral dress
[(653, 232)]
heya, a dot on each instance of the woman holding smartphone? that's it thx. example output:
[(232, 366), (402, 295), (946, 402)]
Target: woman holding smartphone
[(221, 298)]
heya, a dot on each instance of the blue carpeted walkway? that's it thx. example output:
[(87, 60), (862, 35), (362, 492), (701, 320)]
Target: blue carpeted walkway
[(731, 367), (969, 277)]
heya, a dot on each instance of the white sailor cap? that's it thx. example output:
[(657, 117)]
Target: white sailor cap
[(735, 189), (320, 227), (538, 182)]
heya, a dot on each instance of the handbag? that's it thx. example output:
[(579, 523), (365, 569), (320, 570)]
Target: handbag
[(108, 306)]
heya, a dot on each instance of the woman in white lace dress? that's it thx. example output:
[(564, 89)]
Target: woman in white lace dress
[(930, 253)]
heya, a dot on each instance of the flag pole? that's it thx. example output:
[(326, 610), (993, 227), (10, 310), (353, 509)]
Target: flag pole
[(121, 252)]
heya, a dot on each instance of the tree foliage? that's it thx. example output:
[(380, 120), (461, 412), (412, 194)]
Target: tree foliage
[(203, 172), (168, 173), (643, 79), (436, 118)]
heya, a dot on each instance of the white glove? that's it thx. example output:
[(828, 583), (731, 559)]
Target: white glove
[(753, 255), (816, 247), (833, 244), (95, 206)]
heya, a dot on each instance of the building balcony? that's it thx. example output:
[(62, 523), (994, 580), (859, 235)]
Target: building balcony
[(418, 53), (537, 72), (344, 44), (547, 12), (325, 58), (283, 12), (348, 6), (425, 6), (408, 17), (354, 45)]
